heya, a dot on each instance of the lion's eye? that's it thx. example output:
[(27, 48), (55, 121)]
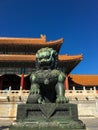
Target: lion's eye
[(40, 58), (47, 57)]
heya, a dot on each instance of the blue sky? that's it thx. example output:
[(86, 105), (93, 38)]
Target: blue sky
[(74, 20)]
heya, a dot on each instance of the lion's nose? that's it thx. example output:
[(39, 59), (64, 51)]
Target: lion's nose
[(46, 81)]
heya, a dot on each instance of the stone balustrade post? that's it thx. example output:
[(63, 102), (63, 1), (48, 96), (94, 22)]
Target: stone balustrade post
[(91, 90), (20, 92), (95, 90), (9, 93), (74, 90), (73, 87), (84, 90)]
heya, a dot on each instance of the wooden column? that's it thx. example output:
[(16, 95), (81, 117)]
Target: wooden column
[(22, 81), (66, 83)]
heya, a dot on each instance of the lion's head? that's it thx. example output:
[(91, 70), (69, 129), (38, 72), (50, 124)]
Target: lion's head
[(46, 58)]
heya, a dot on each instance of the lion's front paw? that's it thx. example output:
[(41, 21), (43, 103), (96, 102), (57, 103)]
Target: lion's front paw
[(61, 99), (41, 100), (35, 90)]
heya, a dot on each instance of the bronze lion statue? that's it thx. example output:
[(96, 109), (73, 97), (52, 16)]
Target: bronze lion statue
[(47, 81)]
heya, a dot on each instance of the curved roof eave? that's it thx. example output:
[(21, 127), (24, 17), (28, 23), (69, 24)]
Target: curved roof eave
[(84, 80), (28, 44), (32, 58), (67, 63)]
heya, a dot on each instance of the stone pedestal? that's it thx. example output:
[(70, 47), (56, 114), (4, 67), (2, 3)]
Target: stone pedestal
[(48, 116)]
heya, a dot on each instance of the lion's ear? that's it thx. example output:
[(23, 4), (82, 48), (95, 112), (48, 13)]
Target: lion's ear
[(36, 55), (53, 53)]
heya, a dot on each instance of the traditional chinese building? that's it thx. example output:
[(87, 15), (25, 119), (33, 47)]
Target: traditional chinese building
[(17, 61)]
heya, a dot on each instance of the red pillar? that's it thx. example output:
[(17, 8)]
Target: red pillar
[(66, 83), (22, 81)]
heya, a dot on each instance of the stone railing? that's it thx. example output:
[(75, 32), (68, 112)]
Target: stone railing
[(85, 99), (81, 94), (21, 95), (13, 95)]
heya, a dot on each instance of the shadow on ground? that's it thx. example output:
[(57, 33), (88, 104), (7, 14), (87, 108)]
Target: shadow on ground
[(4, 127)]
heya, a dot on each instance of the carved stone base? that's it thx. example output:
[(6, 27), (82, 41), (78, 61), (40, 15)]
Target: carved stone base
[(48, 116)]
